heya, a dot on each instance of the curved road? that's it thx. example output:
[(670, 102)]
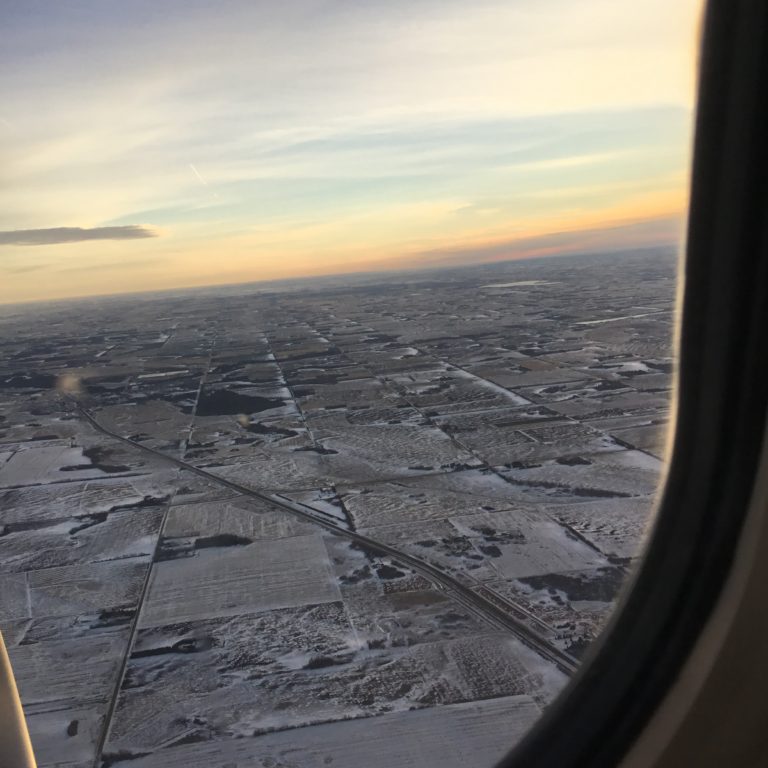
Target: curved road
[(480, 606)]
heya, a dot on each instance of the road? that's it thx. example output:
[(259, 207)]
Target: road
[(485, 609)]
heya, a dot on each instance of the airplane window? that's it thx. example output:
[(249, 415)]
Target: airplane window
[(337, 361)]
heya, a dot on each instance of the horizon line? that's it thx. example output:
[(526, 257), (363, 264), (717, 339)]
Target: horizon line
[(566, 253)]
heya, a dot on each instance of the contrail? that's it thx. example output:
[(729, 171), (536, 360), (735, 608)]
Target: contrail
[(196, 172)]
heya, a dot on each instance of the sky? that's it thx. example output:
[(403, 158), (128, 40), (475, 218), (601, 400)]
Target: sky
[(148, 145)]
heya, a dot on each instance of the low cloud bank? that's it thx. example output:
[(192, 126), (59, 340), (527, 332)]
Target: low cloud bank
[(57, 235)]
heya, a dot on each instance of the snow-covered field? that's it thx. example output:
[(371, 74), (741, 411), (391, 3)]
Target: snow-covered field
[(505, 425)]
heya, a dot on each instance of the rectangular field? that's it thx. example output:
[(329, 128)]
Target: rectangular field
[(238, 578)]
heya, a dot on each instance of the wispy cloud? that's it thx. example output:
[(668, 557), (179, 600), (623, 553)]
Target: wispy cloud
[(123, 265), (57, 235), (24, 268)]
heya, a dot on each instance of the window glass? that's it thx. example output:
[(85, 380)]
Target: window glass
[(336, 361)]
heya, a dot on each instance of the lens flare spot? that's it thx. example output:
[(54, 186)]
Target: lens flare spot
[(69, 384)]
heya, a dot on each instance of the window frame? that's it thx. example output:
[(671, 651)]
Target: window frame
[(721, 400)]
